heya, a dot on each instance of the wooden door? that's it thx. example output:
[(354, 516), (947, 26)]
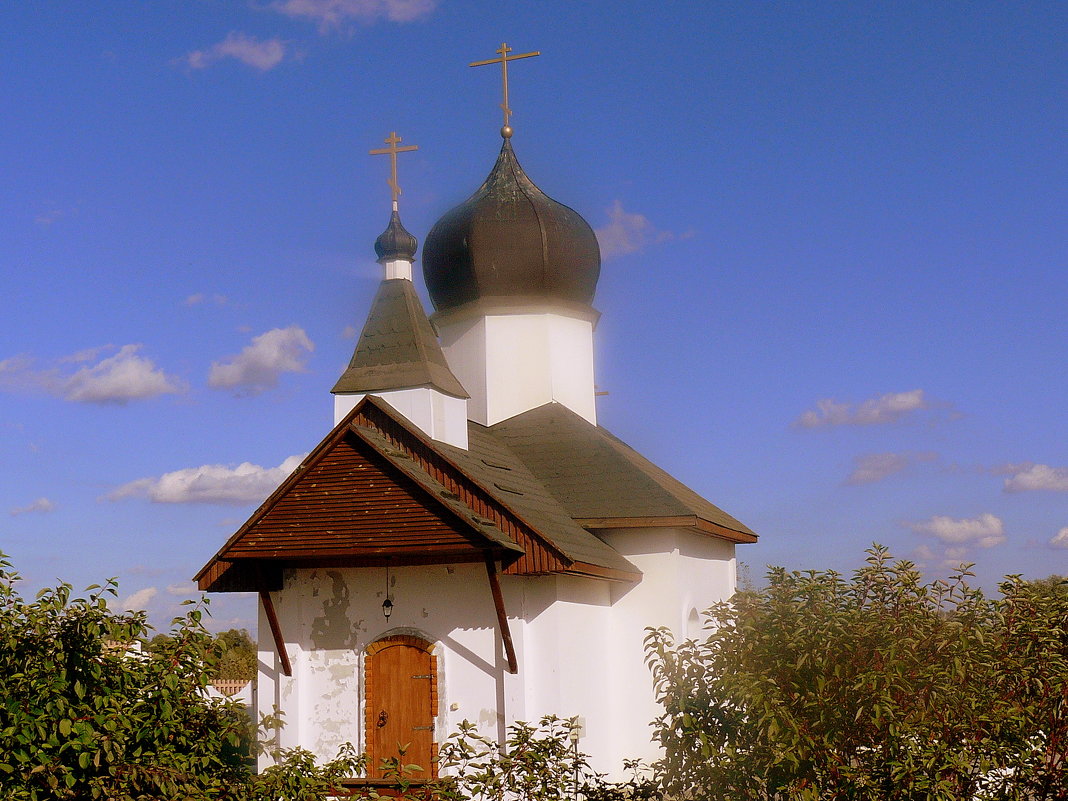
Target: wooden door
[(401, 692)]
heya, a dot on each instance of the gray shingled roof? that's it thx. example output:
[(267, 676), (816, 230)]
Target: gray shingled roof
[(595, 475), (398, 348), (490, 462)]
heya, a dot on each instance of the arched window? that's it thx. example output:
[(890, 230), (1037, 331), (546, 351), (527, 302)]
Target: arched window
[(693, 625)]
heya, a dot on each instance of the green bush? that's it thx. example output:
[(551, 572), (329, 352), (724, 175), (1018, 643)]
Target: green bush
[(537, 762), (87, 712), (880, 687)]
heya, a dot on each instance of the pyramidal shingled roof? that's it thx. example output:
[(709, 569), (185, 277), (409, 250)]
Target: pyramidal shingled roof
[(397, 348)]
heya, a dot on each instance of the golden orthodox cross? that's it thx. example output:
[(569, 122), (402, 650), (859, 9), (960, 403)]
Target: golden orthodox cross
[(393, 140), (504, 50)]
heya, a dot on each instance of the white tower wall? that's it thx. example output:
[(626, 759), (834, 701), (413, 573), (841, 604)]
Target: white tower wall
[(439, 416), (513, 362)]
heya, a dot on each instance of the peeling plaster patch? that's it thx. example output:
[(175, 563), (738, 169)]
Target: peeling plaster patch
[(339, 672), (336, 685), (332, 726), (425, 613), (333, 628)]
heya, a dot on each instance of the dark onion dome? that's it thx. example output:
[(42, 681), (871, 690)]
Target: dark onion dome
[(510, 240), (395, 242)]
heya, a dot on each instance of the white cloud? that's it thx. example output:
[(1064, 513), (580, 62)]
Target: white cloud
[(257, 367), (984, 531), (627, 232), (42, 505), (263, 56), (874, 411), (17, 374), (117, 379), (1060, 539), (199, 298), (48, 217), (186, 589), (84, 355), (1030, 476), (139, 600), (334, 14), (871, 467), (924, 553), (210, 483), (145, 570)]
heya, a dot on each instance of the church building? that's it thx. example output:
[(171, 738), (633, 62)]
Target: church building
[(467, 543)]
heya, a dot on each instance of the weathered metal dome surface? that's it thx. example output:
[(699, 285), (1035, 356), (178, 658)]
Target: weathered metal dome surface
[(395, 242), (510, 240)]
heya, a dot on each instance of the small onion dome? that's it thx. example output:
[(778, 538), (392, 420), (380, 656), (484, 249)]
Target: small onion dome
[(510, 240), (395, 243)]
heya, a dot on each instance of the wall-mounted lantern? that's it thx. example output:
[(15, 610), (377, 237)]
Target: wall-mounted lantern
[(387, 605)]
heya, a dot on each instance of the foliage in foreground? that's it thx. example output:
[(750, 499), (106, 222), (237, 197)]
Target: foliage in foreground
[(235, 653), (880, 687), (86, 713), (92, 706), (537, 763)]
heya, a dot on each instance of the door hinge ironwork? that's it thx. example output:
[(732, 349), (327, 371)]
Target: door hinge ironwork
[(424, 676), (422, 728)]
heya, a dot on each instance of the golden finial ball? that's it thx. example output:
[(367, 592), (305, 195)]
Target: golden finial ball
[(506, 131)]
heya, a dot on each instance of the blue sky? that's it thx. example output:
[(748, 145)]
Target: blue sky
[(833, 292)]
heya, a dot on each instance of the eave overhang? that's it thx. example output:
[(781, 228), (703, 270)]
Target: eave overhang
[(693, 523)]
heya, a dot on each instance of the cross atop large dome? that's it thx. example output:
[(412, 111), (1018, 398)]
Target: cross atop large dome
[(510, 242)]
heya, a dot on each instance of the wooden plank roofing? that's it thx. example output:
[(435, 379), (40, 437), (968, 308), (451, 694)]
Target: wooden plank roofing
[(376, 490), (513, 485), (531, 492)]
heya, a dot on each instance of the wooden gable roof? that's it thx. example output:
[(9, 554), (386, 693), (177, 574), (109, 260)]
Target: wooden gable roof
[(513, 500), (355, 500), (376, 490)]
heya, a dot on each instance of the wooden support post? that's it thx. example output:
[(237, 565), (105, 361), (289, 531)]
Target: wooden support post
[(276, 632), (502, 617)]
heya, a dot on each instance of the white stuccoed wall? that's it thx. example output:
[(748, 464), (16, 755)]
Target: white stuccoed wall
[(439, 416), (681, 571), (329, 616), (511, 363), (578, 642)]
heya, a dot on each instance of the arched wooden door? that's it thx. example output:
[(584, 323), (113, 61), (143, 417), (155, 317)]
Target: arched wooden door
[(401, 690)]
